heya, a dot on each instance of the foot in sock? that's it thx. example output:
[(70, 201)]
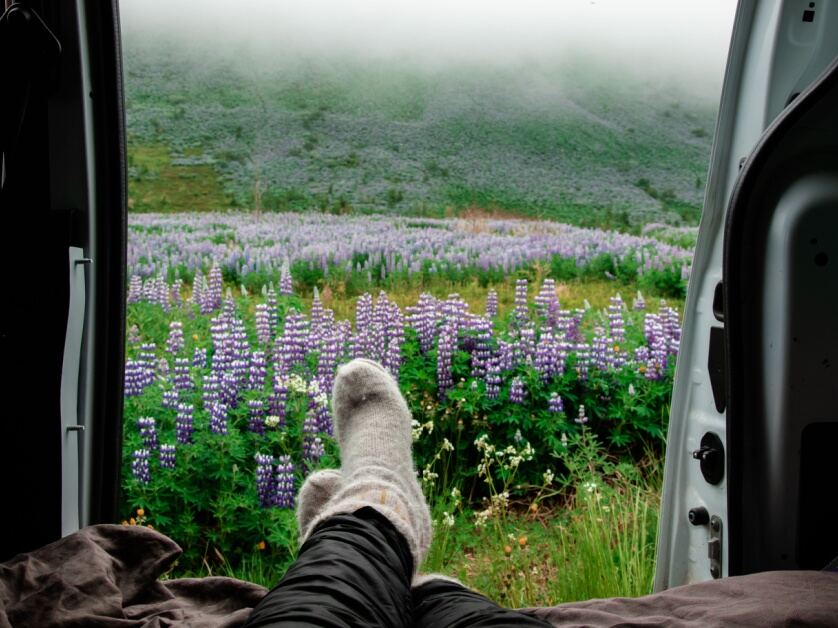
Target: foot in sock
[(373, 427)]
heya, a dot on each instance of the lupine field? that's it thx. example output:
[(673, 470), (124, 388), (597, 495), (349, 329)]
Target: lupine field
[(234, 341)]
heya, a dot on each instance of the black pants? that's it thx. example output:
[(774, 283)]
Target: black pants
[(354, 570)]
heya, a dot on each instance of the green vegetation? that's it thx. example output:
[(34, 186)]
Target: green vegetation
[(156, 184), (396, 139)]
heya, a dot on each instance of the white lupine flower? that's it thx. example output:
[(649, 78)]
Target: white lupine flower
[(297, 384), (448, 520), (548, 476), (271, 421), (446, 445)]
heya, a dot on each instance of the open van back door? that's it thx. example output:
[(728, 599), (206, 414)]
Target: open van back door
[(63, 207), (749, 475)]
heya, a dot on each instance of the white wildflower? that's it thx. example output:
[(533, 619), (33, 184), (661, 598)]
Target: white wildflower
[(271, 421), (448, 519), (548, 477)]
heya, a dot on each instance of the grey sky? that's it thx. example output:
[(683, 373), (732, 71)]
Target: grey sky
[(682, 39)]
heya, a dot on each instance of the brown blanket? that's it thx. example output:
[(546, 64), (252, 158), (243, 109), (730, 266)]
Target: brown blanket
[(107, 575), (773, 598)]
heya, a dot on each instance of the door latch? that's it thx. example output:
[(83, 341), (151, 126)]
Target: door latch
[(714, 547), (711, 456)]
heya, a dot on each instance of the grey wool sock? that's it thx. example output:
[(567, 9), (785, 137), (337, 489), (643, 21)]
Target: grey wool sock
[(317, 490), (372, 424)]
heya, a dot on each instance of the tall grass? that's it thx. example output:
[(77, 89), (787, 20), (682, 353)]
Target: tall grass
[(592, 537), (597, 542)]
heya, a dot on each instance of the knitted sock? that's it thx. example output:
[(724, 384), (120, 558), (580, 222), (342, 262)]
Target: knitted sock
[(318, 490), (372, 424), (315, 493)]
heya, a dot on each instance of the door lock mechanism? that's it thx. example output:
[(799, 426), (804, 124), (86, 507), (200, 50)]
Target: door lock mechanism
[(711, 455)]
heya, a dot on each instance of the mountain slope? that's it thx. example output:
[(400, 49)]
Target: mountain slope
[(385, 136)]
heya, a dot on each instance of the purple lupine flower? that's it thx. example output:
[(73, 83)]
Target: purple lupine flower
[(493, 378), (312, 444), (583, 359), (265, 481), (423, 317), (270, 301), (175, 292), (197, 286), (517, 391), (491, 304), (555, 404), (258, 370), (286, 282), (199, 357), (175, 342), (134, 378), (616, 323), (392, 358), (524, 345), (170, 399), (547, 357), (218, 418), (139, 465), (482, 350), (256, 423), (639, 302), (444, 356), (134, 335), (183, 377), (284, 483), (546, 298), (599, 350), (313, 448), (290, 347), (147, 359), (327, 360), (167, 456), (506, 355), (318, 405), (135, 289), (581, 418), (317, 315), (184, 423), (212, 295), (228, 307), (148, 431), (262, 319), (521, 312), (279, 399), (658, 341)]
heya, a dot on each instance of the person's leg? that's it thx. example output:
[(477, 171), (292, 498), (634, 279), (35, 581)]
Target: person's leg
[(445, 602), (364, 533), (354, 570)]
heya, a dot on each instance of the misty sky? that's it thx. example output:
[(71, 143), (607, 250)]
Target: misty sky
[(684, 40)]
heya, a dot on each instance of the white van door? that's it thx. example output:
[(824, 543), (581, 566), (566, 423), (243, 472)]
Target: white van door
[(754, 420)]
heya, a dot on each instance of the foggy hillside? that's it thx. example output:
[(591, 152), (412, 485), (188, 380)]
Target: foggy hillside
[(578, 141)]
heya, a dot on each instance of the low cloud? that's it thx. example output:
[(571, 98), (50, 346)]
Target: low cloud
[(677, 40)]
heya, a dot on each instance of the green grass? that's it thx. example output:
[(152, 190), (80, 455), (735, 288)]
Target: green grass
[(587, 545), (155, 184)]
